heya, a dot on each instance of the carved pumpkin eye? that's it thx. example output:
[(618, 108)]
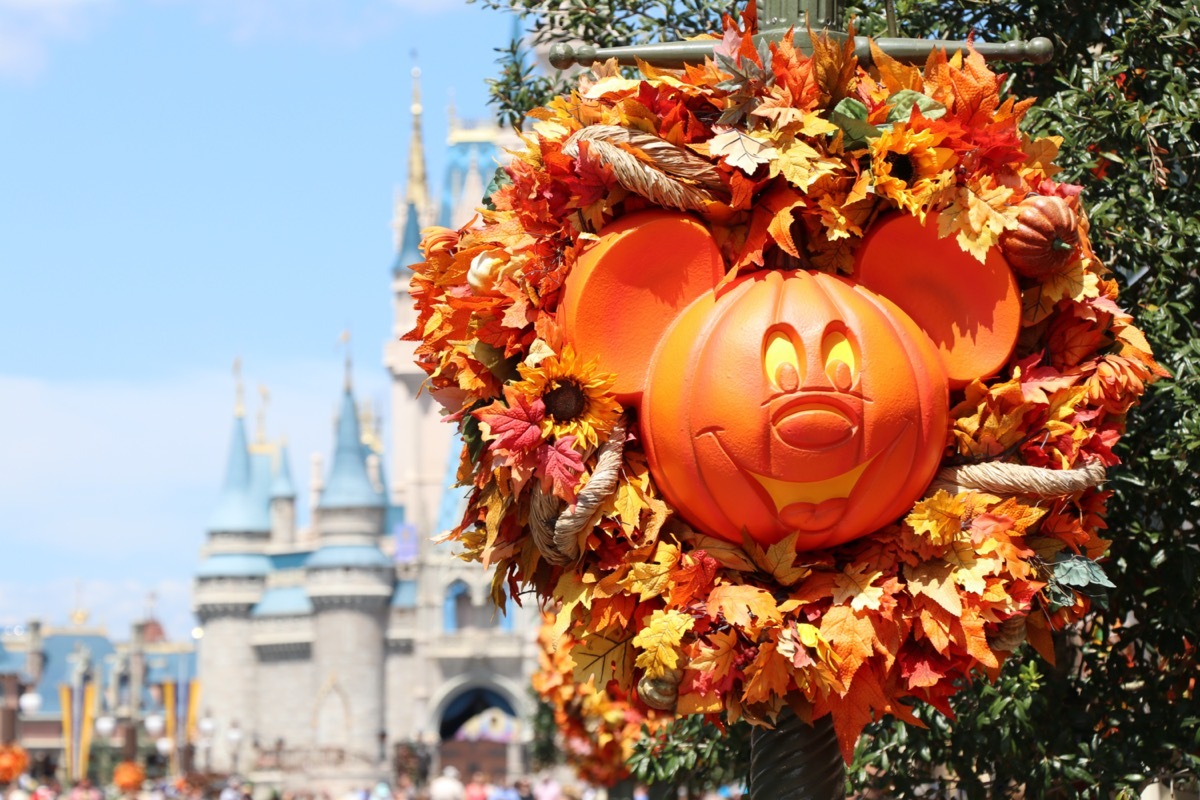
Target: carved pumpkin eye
[(841, 359), (782, 361)]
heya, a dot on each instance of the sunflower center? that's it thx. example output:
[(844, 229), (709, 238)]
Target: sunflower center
[(565, 402), (902, 166)]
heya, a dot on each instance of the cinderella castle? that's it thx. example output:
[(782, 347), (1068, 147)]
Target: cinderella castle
[(336, 653)]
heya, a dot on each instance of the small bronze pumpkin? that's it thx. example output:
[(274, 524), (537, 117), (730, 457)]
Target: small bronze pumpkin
[(1045, 239)]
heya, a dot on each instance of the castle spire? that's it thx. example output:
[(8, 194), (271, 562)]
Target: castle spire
[(417, 191), (413, 210), (236, 510), (239, 403)]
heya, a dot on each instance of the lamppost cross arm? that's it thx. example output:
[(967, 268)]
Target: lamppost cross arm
[(1038, 50), (775, 19)]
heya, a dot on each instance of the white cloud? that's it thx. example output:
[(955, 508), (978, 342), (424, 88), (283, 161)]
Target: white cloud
[(111, 483), (113, 605), (336, 22), (29, 27)]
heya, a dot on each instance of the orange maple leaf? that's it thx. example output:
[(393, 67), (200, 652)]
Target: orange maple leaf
[(768, 675), (852, 636), (745, 607)]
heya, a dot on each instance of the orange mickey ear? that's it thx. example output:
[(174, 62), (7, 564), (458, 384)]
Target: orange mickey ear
[(626, 290), (971, 311)]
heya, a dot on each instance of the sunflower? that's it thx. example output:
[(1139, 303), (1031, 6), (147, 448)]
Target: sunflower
[(909, 168), (576, 394)]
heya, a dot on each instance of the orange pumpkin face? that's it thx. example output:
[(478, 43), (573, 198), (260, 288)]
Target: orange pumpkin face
[(789, 401), (759, 413)]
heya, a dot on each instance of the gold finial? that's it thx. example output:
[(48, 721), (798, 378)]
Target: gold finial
[(79, 616), (239, 404)]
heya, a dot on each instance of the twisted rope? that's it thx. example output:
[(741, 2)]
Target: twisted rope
[(557, 529), (646, 165), (995, 477)]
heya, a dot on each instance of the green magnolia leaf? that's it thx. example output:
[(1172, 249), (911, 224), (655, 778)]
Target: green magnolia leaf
[(499, 180), (851, 116), (472, 436), (1079, 571), (903, 102)]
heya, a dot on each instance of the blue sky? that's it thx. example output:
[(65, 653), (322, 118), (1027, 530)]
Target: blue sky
[(183, 182)]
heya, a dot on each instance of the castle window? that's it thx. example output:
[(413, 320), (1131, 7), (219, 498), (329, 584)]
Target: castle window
[(457, 613)]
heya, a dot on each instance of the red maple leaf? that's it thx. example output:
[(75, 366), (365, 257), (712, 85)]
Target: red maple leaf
[(515, 426), (560, 467), (694, 577), (921, 668)]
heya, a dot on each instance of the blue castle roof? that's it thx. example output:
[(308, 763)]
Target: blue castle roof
[(281, 561), (458, 162), (335, 556), (405, 595), (282, 486), (163, 667), (349, 485), (58, 649), (410, 250), (261, 479), (234, 565), (283, 601), (237, 509)]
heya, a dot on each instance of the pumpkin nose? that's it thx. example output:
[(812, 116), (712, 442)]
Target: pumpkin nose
[(815, 426)]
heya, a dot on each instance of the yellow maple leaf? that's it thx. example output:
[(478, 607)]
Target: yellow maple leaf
[(854, 584), (660, 641), (573, 593), (970, 568), (778, 560), (1074, 282), (1040, 153), (602, 659), (934, 579), (718, 655), (978, 215), (939, 517), (800, 163), (652, 578)]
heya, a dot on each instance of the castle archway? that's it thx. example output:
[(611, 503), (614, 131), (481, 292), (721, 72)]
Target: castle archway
[(479, 723)]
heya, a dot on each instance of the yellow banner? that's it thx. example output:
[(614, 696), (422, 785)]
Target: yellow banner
[(193, 709), (68, 728), (85, 727)]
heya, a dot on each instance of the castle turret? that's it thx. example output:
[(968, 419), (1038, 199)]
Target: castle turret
[(229, 582), (350, 583), (283, 502)]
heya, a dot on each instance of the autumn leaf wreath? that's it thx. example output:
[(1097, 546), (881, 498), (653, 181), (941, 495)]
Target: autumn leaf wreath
[(784, 166)]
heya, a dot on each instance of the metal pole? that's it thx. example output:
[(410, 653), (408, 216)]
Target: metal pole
[(797, 761)]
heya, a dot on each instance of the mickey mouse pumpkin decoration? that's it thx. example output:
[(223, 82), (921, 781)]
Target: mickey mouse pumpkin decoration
[(711, 367), (788, 401)]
